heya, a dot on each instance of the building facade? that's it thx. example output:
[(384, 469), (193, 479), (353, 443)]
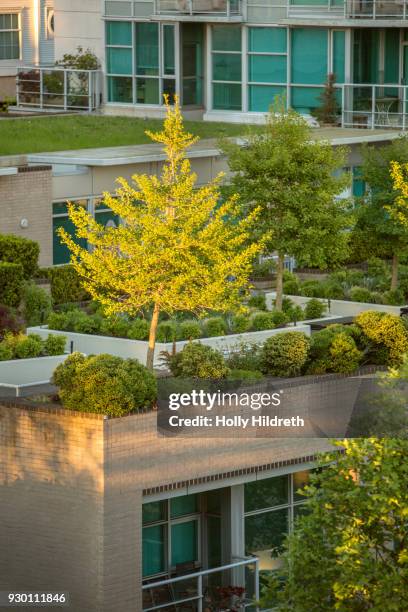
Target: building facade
[(26, 38)]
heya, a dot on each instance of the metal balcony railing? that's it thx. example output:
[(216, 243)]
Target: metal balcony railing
[(233, 586), (375, 106), (350, 9), (222, 8), (58, 88)]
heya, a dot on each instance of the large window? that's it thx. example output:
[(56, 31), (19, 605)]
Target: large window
[(267, 66), (227, 67), (140, 60), (9, 36), (271, 505)]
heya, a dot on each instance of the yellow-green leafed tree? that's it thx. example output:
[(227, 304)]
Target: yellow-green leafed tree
[(399, 175), (177, 247)]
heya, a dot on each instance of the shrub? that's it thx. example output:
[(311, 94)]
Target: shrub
[(215, 326), (83, 323), (285, 354), (360, 294), (114, 326), (8, 321), (244, 375), (54, 344), (344, 354), (384, 331), (311, 288), (189, 330), (287, 304), (36, 304), (296, 314), (197, 360), (261, 321), (291, 287), (11, 283), (377, 297), (66, 285), (394, 298), (257, 301), (138, 330), (28, 346), (333, 290), (245, 356), (105, 384), (279, 318), (314, 309), (15, 249), (166, 331), (240, 324), (5, 352), (58, 321)]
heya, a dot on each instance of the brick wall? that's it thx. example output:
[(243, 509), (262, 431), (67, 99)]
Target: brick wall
[(28, 195)]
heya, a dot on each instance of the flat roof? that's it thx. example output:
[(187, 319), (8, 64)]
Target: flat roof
[(137, 154)]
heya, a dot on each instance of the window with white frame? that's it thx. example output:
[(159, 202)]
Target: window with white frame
[(9, 36)]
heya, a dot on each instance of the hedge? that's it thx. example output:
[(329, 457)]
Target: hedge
[(16, 249), (66, 285), (11, 283)]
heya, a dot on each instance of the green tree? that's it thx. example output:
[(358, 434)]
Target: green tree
[(292, 179), (349, 551), (379, 233), (329, 108), (176, 249)]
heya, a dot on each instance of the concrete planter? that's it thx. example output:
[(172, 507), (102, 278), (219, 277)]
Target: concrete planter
[(19, 374), (339, 308), (137, 349)]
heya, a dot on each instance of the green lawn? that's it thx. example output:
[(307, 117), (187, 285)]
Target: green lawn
[(39, 134)]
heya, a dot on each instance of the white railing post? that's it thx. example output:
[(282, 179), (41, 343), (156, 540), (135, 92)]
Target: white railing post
[(200, 593), (90, 90), (343, 98), (374, 9), (18, 88), (404, 105), (65, 90), (373, 107), (257, 583), (41, 89)]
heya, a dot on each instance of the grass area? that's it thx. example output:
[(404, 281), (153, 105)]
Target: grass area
[(40, 134)]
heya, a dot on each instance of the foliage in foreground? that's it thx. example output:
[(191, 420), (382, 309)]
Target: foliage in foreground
[(20, 346), (350, 551)]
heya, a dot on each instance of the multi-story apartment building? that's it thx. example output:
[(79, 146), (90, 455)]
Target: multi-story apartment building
[(26, 37)]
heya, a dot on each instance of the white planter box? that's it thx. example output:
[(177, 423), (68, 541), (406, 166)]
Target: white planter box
[(137, 349), (339, 308), (17, 374)]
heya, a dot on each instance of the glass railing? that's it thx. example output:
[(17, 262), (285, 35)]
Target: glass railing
[(375, 106), (349, 9), (230, 587), (58, 88), (225, 8)]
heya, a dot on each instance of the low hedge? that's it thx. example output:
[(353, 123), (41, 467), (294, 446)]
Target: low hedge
[(11, 283), (105, 384), (15, 249), (20, 346), (66, 285), (197, 360), (285, 354)]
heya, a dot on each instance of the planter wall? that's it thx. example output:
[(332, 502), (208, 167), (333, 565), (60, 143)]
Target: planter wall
[(17, 374), (137, 349), (340, 308)]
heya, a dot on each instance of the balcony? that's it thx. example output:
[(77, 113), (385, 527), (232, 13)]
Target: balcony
[(349, 9), (375, 106), (58, 88), (232, 586), (222, 10)]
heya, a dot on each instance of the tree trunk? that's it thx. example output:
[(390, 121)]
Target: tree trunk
[(152, 337), (394, 273), (279, 282)]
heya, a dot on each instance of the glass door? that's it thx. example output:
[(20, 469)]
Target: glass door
[(192, 63)]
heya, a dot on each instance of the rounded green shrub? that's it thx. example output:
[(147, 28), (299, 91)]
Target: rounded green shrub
[(11, 283), (8, 321), (87, 324), (285, 354), (166, 331), (296, 314), (394, 298), (377, 297), (54, 344), (345, 357), (360, 294), (215, 326), (58, 321), (386, 334), (287, 304), (19, 250), (257, 301), (117, 327), (245, 356), (37, 304), (333, 290), (138, 330), (105, 384), (291, 287), (28, 346), (66, 285), (189, 330), (279, 318), (314, 309), (312, 288), (197, 360), (5, 352), (261, 321), (240, 324)]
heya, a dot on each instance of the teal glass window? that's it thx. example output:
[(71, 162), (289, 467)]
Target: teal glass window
[(119, 60), (226, 38), (184, 542), (391, 56), (153, 550), (147, 49), (358, 184), (9, 36), (186, 504), (154, 512), (227, 96), (305, 99), (339, 55), (61, 253), (119, 33), (226, 67), (266, 493), (168, 49), (267, 68), (309, 55), (261, 97), (266, 531), (120, 89), (267, 40), (147, 91)]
